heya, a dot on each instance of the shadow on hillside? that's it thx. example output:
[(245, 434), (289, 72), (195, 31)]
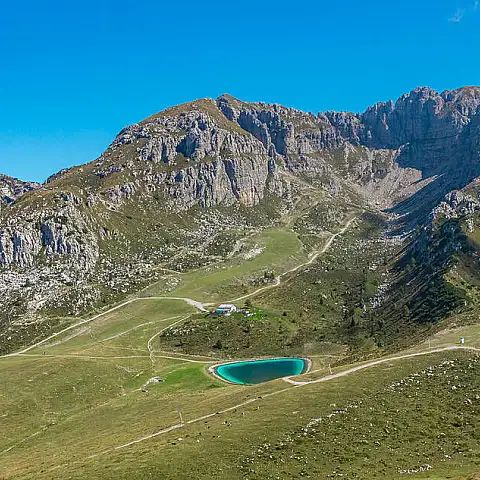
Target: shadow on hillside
[(416, 209)]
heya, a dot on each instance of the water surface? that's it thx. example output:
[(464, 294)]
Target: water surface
[(259, 371)]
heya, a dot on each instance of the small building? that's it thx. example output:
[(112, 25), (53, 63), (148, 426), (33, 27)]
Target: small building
[(226, 309)]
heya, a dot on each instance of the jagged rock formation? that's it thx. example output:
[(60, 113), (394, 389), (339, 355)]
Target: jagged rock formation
[(92, 231), (195, 155), (12, 188), (424, 135), (57, 231)]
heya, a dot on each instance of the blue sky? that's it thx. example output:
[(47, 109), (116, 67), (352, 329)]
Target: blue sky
[(74, 73)]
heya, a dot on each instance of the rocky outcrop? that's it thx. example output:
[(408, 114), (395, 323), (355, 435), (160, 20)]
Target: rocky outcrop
[(212, 161), (48, 257), (436, 134), (423, 114), (219, 182), (455, 205), (53, 232), (193, 134), (424, 135), (282, 130), (12, 188), (119, 193)]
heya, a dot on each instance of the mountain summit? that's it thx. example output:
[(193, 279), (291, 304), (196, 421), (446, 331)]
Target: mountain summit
[(169, 190)]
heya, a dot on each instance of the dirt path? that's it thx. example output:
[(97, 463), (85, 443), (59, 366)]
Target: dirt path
[(23, 441), (136, 327), (278, 280), (87, 357), (299, 383), (194, 303), (295, 384), (121, 334), (100, 357), (154, 336)]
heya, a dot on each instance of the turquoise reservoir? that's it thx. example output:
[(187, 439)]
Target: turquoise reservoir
[(259, 371)]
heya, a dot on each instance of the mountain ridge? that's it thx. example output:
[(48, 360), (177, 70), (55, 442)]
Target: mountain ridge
[(12, 188), (167, 187), (329, 115)]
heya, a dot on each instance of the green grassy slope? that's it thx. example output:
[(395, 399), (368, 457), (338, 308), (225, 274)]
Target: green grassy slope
[(71, 407), (371, 424), (68, 405)]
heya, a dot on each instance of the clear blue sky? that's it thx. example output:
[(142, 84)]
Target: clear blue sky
[(74, 73)]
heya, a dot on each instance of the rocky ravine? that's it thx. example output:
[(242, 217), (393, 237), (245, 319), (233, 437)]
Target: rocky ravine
[(180, 177)]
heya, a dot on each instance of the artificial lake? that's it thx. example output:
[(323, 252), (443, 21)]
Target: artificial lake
[(259, 371)]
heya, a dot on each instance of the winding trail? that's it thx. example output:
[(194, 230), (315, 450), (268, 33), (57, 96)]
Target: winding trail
[(201, 306), (278, 280), (194, 303), (151, 353), (125, 332), (100, 357), (154, 336), (22, 441), (299, 383)]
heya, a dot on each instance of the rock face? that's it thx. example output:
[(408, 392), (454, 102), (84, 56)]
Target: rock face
[(422, 135), (194, 134), (55, 232), (144, 197), (422, 115), (209, 159), (220, 182), (282, 130), (12, 188)]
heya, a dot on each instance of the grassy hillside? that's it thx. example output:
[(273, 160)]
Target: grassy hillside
[(72, 406), (69, 416), (315, 310), (323, 279)]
